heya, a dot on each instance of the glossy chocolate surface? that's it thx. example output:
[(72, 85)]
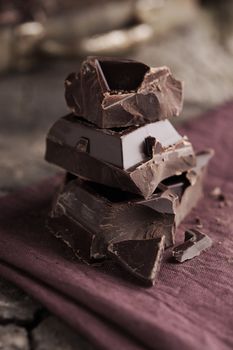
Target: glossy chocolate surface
[(195, 243), (141, 258), (113, 92), (63, 149), (124, 148)]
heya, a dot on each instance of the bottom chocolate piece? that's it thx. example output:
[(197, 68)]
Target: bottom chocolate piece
[(141, 258), (98, 216), (88, 217), (195, 242)]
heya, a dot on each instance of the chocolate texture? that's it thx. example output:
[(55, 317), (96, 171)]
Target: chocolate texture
[(195, 242), (88, 216), (192, 192), (180, 193), (169, 155), (131, 177), (113, 92), (141, 258), (108, 216), (124, 148)]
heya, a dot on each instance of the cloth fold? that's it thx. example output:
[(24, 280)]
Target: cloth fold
[(191, 305), (103, 334)]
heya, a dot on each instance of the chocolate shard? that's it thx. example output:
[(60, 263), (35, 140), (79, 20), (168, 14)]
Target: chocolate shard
[(195, 242), (141, 258), (179, 194), (193, 190), (107, 216), (119, 159), (113, 93)]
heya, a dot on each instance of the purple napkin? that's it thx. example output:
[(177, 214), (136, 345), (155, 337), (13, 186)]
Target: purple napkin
[(191, 306)]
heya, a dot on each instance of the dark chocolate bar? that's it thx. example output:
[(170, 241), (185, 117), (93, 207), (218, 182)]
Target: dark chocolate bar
[(88, 216), (142, 258), (113, 93), (73, 154), (108, 216), (195, 242), (125, 148)]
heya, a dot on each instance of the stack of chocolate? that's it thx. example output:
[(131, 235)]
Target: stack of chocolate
[(131, 177)]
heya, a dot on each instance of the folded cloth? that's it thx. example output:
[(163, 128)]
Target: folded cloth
[(190, 307)]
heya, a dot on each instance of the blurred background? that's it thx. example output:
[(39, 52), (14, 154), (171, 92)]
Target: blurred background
[(41, 41)]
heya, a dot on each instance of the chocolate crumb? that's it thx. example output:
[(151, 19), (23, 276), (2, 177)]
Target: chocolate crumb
[(218, 194), (198, 222), (195, 242), (218, 220)]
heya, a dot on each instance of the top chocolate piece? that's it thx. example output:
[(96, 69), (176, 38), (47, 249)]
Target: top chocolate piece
[(113, 93)]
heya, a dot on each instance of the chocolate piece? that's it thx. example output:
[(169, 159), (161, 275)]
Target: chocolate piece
[(191, 194), (142, 258), (113, 93), (195, 242), (179, 194), (88, 216), (124, 149), (216, 192), (198, 222), (142, 179), (108, 216)]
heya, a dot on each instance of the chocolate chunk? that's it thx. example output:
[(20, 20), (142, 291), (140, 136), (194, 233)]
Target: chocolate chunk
[(195, 242), (125, 148), (193, 191), (153, 146), (198, 222), (118, 159), (178, 194), (141, 258), (217, 193), (107, 216), (113, 93)]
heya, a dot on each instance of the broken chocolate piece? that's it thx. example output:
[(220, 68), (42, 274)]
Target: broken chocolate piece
[(113, 157), (113, 93), (141, 258), (198, 223), (124, 149), (88, 216), (216, 192), (193, 192), (108, 216), (177, 195), (195, 242), (153, 146)]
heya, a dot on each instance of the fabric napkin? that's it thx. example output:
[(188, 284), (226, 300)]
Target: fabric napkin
[(191, 305)]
